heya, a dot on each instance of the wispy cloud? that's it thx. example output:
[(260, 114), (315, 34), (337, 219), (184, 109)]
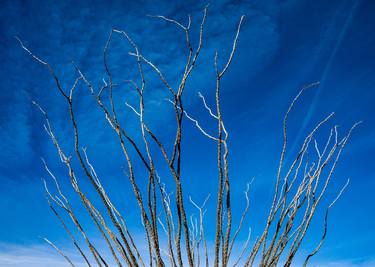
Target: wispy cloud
[(31, 256), (45, 256), (64, 35)]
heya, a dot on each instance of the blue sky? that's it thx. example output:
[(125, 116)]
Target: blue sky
[(283, 45)]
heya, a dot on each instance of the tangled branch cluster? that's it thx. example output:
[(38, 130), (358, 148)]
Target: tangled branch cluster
[(298, 189)]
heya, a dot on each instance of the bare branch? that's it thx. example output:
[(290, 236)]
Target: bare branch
[(59, 251)]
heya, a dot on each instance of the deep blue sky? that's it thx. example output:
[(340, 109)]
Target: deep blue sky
[(283, 45)]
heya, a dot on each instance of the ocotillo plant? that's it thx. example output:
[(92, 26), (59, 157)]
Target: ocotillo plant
[(300, 184)]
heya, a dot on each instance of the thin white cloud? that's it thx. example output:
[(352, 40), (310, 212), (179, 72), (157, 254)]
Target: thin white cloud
[(32, 256), (45, 256)]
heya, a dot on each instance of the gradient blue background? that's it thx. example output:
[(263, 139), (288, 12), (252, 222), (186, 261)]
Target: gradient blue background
[(283, 45)]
